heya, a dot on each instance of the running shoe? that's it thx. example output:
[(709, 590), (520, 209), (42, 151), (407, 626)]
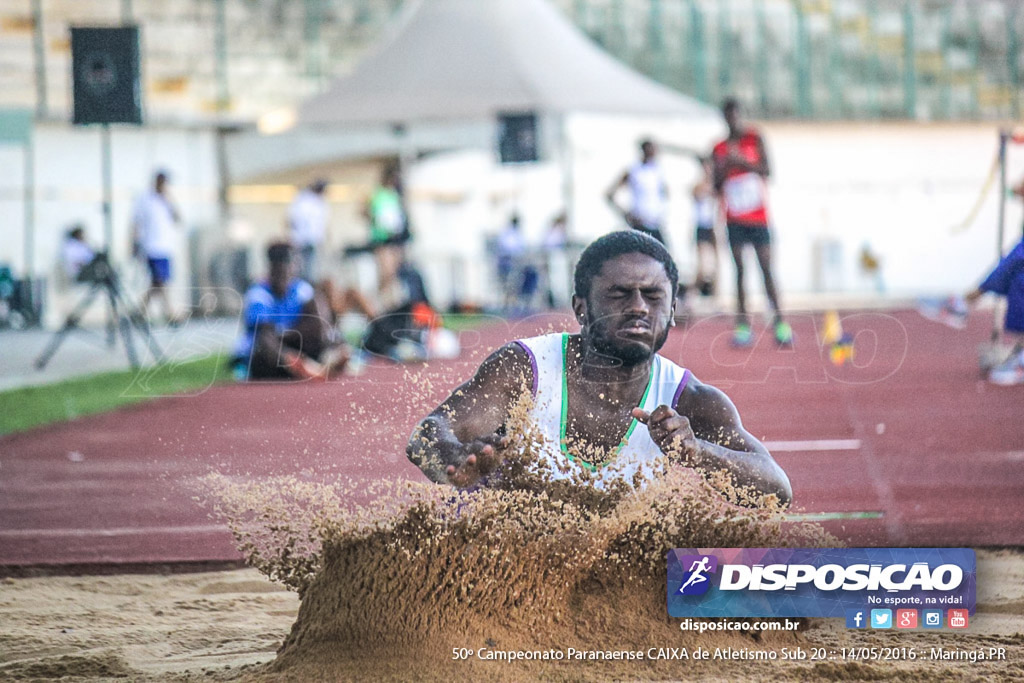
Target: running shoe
[(1010, 372), (742, 335), (783, 333), (950, 311)]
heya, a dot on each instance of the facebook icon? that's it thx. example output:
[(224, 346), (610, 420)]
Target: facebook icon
[(856, 618)]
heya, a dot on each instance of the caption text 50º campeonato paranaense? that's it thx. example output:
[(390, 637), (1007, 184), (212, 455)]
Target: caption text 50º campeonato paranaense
[(731, 653)]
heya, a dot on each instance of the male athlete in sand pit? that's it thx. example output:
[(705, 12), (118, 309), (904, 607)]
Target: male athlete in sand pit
[(604, 399)]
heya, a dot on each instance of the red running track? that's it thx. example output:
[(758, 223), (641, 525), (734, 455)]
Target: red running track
[(907, 447)]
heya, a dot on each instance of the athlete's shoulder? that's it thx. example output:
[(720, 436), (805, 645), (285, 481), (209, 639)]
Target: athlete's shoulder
[(542, 343), (259, 292), (754, 134), (698, 398), (302, 290), (510, 365)]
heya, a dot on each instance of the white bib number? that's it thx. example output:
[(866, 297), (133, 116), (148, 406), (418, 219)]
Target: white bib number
[(743, 193)]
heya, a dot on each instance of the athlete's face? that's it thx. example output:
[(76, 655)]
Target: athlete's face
[(280, 276), (629, 310)]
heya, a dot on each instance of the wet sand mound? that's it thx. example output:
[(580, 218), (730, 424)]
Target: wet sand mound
[(396, 586)]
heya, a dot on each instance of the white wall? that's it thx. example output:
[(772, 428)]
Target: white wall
[(68, 178), (899, 187)]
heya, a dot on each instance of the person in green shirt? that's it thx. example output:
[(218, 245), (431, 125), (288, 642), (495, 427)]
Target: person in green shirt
[(389, 229)]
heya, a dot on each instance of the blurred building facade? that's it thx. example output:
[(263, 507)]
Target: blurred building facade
[(927, 60)]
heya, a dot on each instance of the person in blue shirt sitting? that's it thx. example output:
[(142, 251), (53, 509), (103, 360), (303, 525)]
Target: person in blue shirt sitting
[(288, 326)]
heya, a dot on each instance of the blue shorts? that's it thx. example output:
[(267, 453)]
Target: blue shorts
[(159, 271)]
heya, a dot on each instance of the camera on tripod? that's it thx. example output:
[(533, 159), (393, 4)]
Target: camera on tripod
[(103, 282), (96, 271)]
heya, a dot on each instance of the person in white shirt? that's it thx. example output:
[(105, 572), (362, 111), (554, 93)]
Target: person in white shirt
[(516, 274), (75, 252), (648, 193), (154, 227), (307, 221)]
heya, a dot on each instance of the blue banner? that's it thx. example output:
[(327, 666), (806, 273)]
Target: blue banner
[(817, 582)]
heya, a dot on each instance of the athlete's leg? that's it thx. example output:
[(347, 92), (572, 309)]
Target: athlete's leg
[(741, 296), (707, 267), (314, 330), (783, 331), (764, 259)]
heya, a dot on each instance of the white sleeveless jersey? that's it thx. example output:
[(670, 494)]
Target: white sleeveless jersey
[(638, 454), (647, 186)]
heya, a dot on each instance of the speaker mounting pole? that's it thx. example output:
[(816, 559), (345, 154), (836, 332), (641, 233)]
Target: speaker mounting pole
[(108, 187)]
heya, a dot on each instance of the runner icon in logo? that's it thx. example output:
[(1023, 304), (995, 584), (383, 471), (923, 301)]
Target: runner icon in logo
[(699, 566)]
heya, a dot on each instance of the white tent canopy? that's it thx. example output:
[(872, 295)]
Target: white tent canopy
[(444, 75), (476, 58)]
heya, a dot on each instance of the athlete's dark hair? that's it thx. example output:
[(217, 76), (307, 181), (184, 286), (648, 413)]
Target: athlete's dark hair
[(730, 104), (616, 244)]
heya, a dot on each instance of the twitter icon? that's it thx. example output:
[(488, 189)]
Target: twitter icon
[(881, 618)]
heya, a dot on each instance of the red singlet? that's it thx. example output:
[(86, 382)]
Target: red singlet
[(744, 196)]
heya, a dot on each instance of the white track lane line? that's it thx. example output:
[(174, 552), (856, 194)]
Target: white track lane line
[(114, 531), (814, 445)]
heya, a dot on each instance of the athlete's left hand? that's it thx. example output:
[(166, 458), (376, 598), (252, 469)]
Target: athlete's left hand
[(671, 431)]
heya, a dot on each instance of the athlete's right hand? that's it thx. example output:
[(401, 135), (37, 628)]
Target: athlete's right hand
[(468, 463), (444, 459)]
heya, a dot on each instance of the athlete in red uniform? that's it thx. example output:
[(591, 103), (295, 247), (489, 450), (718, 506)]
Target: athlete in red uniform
[(740, 166)]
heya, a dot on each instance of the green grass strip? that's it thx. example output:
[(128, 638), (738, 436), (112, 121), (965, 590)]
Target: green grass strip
[(29, 407)]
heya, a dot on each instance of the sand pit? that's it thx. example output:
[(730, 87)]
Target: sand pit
[(228, 626), (141, 627)]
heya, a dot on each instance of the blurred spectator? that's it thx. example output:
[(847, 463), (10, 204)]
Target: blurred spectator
[(307, 223), (75, 252), (871, 267), (554, 259), (648, 193), (289, 331), (154, 235), (517, 275), (704, 221), (557, 237), (389, 231), (1006, 279), (740, 165)]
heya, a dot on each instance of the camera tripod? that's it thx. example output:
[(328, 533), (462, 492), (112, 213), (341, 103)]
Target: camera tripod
[(102, 279)]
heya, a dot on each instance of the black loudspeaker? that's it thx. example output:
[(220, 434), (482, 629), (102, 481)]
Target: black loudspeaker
[(517, 138), (105, 75)]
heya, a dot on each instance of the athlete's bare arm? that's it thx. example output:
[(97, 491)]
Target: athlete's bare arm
[(704, 431), (762, 169), (613, 190), (718, 169), (457, 442), (679, 149)]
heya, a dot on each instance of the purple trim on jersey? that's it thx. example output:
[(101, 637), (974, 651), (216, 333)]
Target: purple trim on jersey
[(533, 364), (679, 390)]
